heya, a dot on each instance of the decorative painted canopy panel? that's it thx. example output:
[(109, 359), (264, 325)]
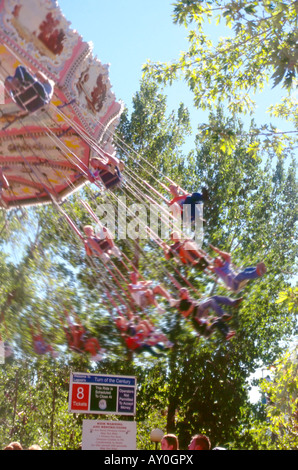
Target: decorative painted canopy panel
[(46, 154)]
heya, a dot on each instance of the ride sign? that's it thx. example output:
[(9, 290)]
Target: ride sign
[(102, 394)]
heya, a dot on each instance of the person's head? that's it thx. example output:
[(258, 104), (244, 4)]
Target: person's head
[(183, 293), (121, 323), (200, 442), (218, 262), (34, 447), (14, 446), (133, 276), (174, 190), (102, 232), (121, 165), (11, 83), (88, 230), (174, 236), (169, 442)]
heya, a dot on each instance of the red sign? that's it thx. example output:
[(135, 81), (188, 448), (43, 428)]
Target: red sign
[(80, 397)]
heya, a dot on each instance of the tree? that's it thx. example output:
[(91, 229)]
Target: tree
[(152, 138), (264, 45), (277, 428), (282, 402), (246, 202), (261, 49), (33, 405), (251, 211)]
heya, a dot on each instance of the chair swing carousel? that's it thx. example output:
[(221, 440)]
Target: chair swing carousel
[(46, 147), (52, 145)]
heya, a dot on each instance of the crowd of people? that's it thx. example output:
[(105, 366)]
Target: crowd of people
[(18, 446), (169, 442), (198, 442)]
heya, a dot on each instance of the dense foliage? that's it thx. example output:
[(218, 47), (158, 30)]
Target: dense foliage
[(200, 385)]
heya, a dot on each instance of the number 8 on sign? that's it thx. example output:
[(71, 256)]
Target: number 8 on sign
[(80, 397), (80, 393)]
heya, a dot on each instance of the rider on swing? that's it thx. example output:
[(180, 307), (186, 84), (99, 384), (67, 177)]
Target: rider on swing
[(30, 92)]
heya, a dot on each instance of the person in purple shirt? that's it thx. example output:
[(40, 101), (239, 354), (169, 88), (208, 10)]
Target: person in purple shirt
[(234, 280)]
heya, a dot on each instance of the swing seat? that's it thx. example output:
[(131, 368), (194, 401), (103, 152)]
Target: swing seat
[(240, 287), (40, 347), (27, 91), (110, 180), (103, 244), (133, 342), (202, 264), (31, 97), (92, 346)]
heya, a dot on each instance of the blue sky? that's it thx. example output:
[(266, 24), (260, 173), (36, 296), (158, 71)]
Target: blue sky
[(126, 33)]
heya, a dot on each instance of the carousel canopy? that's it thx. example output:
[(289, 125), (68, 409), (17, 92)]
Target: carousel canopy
[(45, 155)]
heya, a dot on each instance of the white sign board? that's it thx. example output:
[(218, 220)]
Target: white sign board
[(109, 435)]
